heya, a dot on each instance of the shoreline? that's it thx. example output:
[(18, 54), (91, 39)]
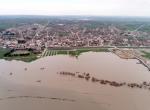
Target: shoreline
[(119, 51)]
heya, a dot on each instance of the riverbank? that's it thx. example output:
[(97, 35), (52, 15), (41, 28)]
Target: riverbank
[(26, 56), (72, 52), (30, 56), (124, 53), (75, 52)]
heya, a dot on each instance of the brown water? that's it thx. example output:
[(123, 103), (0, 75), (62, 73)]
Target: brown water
[(43, 89)]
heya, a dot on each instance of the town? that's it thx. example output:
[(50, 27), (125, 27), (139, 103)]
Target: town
[(38, 38), (70, 35)]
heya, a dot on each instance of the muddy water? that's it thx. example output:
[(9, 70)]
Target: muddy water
[(36, 86)]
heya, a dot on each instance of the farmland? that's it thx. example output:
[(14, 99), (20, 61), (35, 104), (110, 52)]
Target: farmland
[(74, 52)]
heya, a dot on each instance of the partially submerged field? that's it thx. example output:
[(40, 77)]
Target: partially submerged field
[(47, 52), (127, 53), (72, 52)]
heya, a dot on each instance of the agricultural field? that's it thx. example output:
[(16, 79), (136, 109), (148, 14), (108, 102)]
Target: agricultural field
[(47, 52), (74, 52)]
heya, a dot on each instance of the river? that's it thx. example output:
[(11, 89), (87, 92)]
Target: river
[(37, 86)]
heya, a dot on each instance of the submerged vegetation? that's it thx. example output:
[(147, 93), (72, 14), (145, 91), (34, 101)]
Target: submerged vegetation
[(89, 77)]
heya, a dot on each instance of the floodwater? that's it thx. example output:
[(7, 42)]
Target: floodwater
[(36, 86)]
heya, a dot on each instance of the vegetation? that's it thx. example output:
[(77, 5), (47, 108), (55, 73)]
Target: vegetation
[(31, 56), (75, 52), (3, 51), (146, 54), (80, 51), (25, 58), (28, 58), (62, 52)]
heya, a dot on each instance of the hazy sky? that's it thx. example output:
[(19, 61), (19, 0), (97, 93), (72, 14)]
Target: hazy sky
[(76, 7)]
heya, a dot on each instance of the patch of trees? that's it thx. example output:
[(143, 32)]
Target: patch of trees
[(10, 53)]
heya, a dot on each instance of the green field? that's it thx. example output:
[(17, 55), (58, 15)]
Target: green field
[(146, 54), (49, 53), (3, 51), (46, 52), (28, 58), (75, 52)]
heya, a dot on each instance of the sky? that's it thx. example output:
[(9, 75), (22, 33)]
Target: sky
[(76, 7)]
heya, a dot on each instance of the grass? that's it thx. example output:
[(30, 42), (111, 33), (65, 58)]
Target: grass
[(25, 59), (3, 51), (33, 56), (146, 54), (78, 52), (62, 52), (28, 58)]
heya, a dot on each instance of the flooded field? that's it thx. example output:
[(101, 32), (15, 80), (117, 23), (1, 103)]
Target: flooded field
[(38, 86)]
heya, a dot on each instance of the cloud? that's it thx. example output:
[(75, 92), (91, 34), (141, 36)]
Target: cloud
[(76, 7)]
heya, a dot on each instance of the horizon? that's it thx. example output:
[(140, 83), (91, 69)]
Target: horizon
[(102, 16)]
